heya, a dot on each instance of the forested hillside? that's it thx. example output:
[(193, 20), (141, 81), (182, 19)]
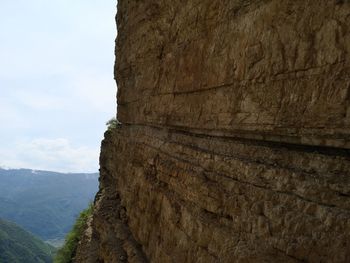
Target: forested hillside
[(45, 203), (19, 246)]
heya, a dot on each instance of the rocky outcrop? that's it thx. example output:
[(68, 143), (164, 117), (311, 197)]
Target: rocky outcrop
[(235, 136)]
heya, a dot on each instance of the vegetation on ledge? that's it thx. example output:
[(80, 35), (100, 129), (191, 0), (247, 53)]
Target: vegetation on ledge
[(67, 252), (112, 123)]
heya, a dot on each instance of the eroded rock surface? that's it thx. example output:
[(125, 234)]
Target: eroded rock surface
[(235, 142)]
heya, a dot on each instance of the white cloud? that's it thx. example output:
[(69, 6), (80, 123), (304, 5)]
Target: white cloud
[(50, 154), (58, 83)]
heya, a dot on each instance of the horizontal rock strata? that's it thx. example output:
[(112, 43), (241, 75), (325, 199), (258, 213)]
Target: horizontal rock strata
[(235, 137), (270, 70)]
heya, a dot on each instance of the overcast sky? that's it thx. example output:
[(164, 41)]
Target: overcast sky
[(56, 82)]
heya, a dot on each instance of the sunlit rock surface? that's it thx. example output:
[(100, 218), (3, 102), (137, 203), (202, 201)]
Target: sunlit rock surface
[(235, 142)]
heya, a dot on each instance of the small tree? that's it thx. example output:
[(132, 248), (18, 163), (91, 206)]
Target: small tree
[(112, 123)]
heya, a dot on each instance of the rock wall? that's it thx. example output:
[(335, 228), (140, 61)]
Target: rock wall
[(235, 136)]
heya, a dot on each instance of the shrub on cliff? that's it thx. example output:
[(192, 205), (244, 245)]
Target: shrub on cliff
[(67, 252), (112, 123)]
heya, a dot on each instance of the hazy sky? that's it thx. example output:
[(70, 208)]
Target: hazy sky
[(56, 82)]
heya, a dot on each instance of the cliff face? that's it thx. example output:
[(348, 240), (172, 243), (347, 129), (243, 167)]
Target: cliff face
[(235, 142)]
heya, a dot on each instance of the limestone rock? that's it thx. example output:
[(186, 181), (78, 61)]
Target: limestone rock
[(235, 136)]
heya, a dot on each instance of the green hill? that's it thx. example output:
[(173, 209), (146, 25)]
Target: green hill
[(19, 246), (45, 203)]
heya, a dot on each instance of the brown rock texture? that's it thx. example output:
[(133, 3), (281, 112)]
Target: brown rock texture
[(235, 137)]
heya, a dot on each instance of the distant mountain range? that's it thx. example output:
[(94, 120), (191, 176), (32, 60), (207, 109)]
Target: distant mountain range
[(19, 246), (45, 203)]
